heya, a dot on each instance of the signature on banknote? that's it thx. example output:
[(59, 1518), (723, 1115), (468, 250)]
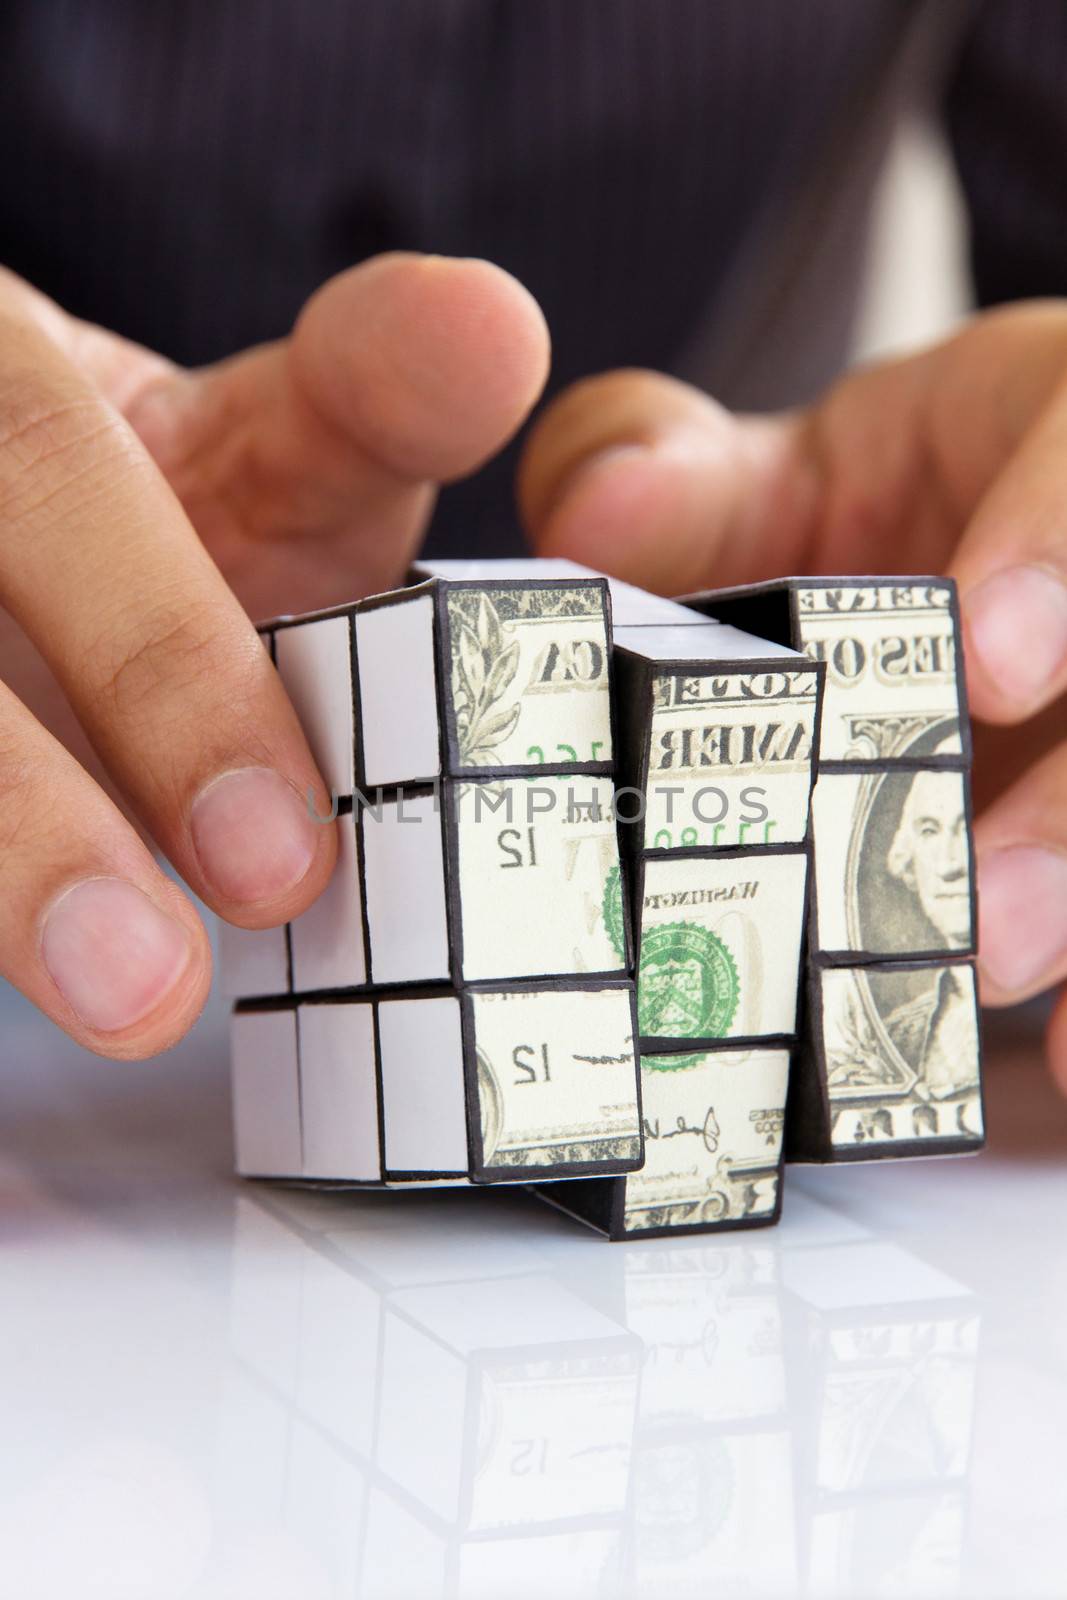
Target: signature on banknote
[(708, 1130)]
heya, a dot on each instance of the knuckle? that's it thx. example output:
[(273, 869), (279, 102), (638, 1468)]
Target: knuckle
[(52, 437), (177, 662), (38, 415)]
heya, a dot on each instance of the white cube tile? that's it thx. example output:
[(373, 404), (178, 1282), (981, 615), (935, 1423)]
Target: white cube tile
[(404, 869), (266, 1094), (327, 940), (339, 1092), (423, 1094), (398, 693), (314, 660)]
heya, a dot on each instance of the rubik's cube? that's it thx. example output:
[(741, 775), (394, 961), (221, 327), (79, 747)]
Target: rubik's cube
[(547, 784), (458, 1005)]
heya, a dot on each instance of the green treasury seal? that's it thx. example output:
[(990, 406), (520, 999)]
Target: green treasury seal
[(687, 984), (677, 1063), (611, 910)]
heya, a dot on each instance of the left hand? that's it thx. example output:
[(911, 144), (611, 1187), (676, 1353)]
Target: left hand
[(954, 459), (142, 506)]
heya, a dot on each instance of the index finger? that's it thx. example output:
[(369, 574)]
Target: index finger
[(101, 568)]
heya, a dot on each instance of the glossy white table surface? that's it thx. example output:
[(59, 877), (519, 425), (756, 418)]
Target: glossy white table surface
[(218, 1389)]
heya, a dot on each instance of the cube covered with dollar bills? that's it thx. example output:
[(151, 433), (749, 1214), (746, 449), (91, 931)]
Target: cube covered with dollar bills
[(465, 730), (891, 1057), (458, 1004), (452, 676)]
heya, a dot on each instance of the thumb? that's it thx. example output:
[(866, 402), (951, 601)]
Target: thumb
[(429, 363), (402, 373)]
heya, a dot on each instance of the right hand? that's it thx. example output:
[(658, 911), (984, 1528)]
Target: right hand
[(142, 509)]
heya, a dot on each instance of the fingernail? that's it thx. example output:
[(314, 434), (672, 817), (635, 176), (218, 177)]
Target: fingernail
[(1017, 627), (253, 835), (1022, 913), (111, 952)]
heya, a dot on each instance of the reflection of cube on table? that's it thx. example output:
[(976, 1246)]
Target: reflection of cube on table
[(506, 1417), (712, 1486), (420, 1086), (886, 1357), (458, 1410)]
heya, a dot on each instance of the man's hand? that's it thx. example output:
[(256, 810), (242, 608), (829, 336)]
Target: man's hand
[(141, 508), (954, 459)]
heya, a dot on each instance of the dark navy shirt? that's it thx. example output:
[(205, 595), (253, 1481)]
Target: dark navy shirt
[(666, 176)]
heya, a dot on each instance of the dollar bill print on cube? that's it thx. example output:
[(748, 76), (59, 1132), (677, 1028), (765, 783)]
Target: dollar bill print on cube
[(469, 958), (894, 682), (716, 732), (451, 721), (437, 1085), (713, 1126), (890, 1064)]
